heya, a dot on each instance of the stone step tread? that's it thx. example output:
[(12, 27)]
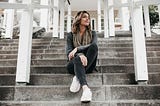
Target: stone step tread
[(92, 86), (104, 58), (62, 50), (93, 79), (105, 68), (101, 93), (64, 59), (117, 52), (78, 103), (63, 55), (96, 101), (149, 48), (69, 75), (98, 42), (64, 66), (101, 39), (58, 44), (59, 61)]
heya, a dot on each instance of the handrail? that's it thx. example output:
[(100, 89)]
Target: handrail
[(148, 2), (138, 3), (5, 5)]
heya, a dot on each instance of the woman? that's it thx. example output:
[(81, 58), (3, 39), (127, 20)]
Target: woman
[(82, 53)]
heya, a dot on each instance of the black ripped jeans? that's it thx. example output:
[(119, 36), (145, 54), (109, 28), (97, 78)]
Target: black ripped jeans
[(75, 66)]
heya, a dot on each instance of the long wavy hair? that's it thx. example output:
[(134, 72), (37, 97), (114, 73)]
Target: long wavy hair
[(77, 21)]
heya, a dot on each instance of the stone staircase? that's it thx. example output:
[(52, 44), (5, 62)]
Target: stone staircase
[(113, 85)]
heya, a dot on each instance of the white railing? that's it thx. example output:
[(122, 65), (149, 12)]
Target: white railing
[(28, 12), (4, 5), (25, 40)]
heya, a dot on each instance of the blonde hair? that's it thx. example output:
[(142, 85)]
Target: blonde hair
[(77, 20)]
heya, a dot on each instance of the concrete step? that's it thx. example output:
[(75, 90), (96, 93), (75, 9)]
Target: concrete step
[(127, 78), (126, 68), (63, 55), (113, 68), (63, 46), (78, 103), (92, 79), (15, 41), (50, 79), (61, 93), (57, 61), (51, 39), (58, 44), (62, 41), (101, 50), (39, 69), (126, 60)]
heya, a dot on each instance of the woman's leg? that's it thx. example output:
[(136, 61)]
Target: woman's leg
[(70, 67), (91, 55), (79, 70), (75, 67)]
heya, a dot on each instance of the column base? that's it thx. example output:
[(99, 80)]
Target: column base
[(142, 82), (21, 83)]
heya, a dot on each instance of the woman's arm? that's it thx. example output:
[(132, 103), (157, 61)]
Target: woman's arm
[(69, 43)]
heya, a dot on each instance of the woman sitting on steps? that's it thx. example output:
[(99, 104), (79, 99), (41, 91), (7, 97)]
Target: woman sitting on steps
[(82, 53)]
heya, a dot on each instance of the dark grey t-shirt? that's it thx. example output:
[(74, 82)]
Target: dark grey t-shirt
[(70, 46)]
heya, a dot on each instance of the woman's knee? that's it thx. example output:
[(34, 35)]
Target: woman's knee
[(77, 60), (70, 68)]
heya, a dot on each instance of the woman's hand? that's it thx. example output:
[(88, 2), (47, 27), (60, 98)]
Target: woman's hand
[(72, 53), (83, 60)]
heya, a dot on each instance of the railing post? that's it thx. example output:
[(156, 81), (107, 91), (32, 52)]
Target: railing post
[(62, 19), (44, 15), (69, 19), (111, 18), (9, 21), (56, 18), (25, 45), (99, 15), (147, 21), (159, 12), (139, 47), (106, 35), (124, 16)]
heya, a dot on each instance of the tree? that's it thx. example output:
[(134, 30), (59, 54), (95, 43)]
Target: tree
[(153, 14)]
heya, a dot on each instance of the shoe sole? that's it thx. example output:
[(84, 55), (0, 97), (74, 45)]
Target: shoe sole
[(73, 92), (86, 101)]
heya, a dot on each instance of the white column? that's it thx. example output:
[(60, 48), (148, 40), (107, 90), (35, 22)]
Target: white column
[(124, 16), (159, 11), (69, 19), (9, 21), (147, 21), (50, 16), (55, 18), (106, 35), (111, 18), (99, 15), (25, 45), (5, 19), (140, 59), (62, 19), (44, 15)]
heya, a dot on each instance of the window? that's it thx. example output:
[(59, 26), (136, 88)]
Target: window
[(102, 24)]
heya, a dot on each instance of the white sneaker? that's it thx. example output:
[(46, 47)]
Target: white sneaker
[(75, 86), (86, 95)]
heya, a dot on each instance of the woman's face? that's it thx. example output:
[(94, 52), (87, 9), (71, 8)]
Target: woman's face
[(85, 19)]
